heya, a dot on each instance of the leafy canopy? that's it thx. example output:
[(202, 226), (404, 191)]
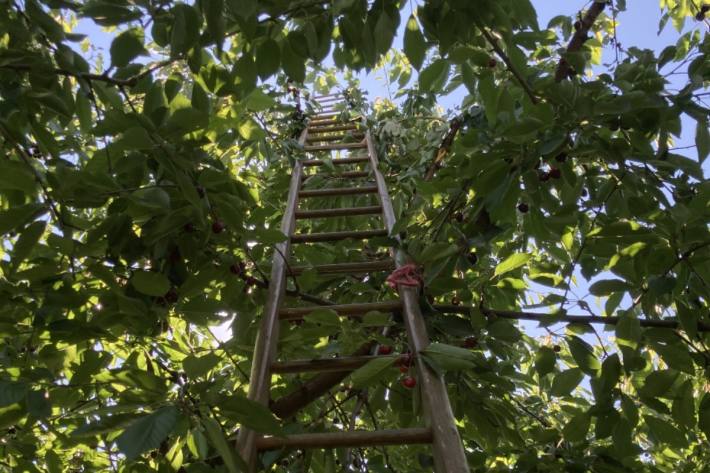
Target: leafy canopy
[(142, 184)]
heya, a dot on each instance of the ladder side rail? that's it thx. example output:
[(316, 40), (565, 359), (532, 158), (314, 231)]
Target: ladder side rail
[(268, 336), (449, 455)]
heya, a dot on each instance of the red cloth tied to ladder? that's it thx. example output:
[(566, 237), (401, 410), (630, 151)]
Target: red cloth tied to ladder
[(407, 275)]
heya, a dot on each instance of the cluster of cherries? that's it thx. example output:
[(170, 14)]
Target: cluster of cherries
[(240, 269), (404, 362)]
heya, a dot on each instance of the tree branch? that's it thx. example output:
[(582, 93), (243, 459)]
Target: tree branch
[(446, 142), (579, 37)]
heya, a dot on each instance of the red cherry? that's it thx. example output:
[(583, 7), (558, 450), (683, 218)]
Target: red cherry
[(472, 258), (404, 369), (470, 342), (218, 226), (544, 176), (188, 227), (235, 269), (458, 216), (171, 296), (409, 382), (492, 62), (455, 301), (555, 173), (384, 350), (523, 208), (405, 360), (557, 348)]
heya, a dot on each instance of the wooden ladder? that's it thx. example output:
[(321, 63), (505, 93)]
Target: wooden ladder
[(441, 431)]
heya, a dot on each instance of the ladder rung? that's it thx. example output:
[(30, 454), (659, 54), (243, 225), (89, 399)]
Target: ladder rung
[(327, 96), (322, 365), (323, 123), (336, 236), (325, 116), (320, 162), (333, 137), (335, 146), (354, 309), (340, 175), (331, 129), (338, 191), (340, 212), (347, 439), (347, 268)]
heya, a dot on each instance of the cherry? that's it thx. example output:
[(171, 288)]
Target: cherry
[(561, 158), (470, 342), (384, 350), (404, 369), (523, 208), (458, 216), (555, 173), (544, 176), (577, 25), (250, 281), (12, 431), (171, 296), (700, 16), (455, 301), (409, 382), (472, 258), (218, 226), (405, 360), (492, 62), (236, 269), (188, 227), (557, 348), (200, 191)]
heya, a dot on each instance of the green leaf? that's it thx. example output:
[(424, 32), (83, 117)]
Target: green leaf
[(545, 361), (224, 448), (514, 261), (198, 366), (566, 381), (251, 414), (150, 283), (676, 356), (185, 29), (683, 408), (583, 355), (702, 139), (664, 432), (268, 236), (704, 415), (432, 78), (577, 427), (628, 330), (148, 432), (268, 58), (28, 240), (414, 43), (15, 217), (17, 176), (257, 101), (450, 358), (607, 286), (126, 47), (12, 392), (371, 371)]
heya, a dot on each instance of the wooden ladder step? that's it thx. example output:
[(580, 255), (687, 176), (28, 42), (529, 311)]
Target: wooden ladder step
[(320, 162), (325, 116), (327, 96), (353, 438), (350, 310), (335, 146), (330, 129), (338, 191), (333, 137), (337, 236), (357, 267), (339, 212), (339, 175), (322, 123), (323, 365)]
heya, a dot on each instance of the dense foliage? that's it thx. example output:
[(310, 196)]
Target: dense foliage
[(140, 189)]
